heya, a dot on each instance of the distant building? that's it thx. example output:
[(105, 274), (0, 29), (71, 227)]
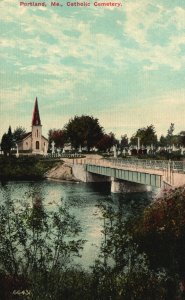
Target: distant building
[(34, 142)]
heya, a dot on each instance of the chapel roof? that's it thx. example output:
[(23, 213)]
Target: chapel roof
[(24, 136)]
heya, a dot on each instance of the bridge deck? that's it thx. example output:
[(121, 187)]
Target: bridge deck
[(146, 172)]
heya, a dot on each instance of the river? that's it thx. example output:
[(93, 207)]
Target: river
[(82, 200)]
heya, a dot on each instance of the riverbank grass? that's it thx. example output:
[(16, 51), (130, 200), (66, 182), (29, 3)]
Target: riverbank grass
[(24, 168)]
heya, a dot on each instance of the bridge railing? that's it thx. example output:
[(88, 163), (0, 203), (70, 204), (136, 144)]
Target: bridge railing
[(176, 166), (161, 165), (63, 155)]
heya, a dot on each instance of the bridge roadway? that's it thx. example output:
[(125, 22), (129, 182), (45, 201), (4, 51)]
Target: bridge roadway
[(148, 172)]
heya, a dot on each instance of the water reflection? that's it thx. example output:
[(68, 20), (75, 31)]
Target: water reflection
[(82, 200)]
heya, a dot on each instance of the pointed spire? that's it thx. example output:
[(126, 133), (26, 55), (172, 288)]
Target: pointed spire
[(36, 117)]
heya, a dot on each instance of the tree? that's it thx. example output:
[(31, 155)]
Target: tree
[(58, 136), (147, 136), (169, 136), (122, 271), (163, 226), (182, 138), (36, 245), (18, 133), (124, 141), (162, 141), (171, 129), (106, 142), (84, 131), (4, 144), (7, 142)]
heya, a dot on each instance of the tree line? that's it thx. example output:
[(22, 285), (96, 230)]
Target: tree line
[(86, 132)]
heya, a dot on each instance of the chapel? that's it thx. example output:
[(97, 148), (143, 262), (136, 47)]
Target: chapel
[(34, 142)]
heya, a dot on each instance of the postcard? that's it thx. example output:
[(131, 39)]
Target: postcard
[(92, 157)]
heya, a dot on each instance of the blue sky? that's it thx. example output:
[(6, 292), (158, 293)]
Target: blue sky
[(125, 66)]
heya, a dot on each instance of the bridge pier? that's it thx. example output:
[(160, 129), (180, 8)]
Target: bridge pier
[(123, 186), (80, 173)]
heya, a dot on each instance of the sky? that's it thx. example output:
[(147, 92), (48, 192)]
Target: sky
[(123, 65)]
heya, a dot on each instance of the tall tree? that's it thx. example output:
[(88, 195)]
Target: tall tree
[(18, 133), (4, 144), (147, 136), (171, 129), (7, 142), (181, 137), (124, 142), (169, 136), (162, 141), (84, 131)]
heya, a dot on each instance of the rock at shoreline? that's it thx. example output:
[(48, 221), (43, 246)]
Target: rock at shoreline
[(61, 171)]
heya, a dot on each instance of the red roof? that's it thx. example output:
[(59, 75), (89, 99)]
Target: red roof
[(36, 117)]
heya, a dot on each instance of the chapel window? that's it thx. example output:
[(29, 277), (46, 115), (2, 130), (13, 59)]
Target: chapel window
[(37, 145)]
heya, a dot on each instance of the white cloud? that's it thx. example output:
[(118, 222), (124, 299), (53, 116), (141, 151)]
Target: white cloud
[(139, 20), (90, 47)]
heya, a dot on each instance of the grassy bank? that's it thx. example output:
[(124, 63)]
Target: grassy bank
[(24, 168)]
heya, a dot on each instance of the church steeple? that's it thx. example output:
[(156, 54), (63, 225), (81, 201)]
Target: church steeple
[(36, 117)]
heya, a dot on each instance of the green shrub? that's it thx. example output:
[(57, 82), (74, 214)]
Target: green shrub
[(161, 231)]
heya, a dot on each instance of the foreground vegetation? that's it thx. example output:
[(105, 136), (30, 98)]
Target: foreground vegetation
[(141, 257)]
